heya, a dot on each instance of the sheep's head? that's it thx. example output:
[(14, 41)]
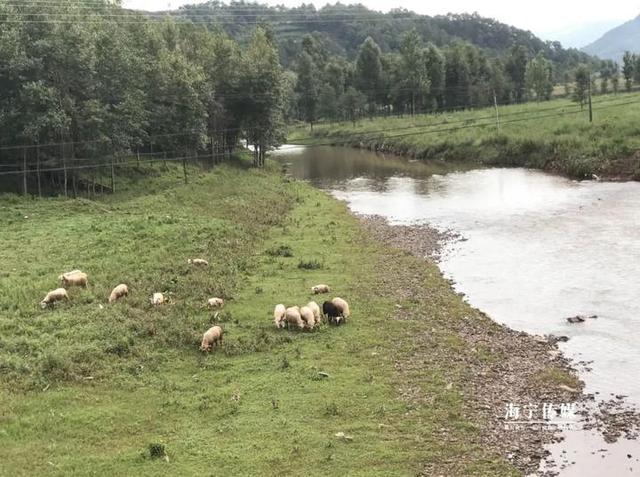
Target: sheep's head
[(43, 304)]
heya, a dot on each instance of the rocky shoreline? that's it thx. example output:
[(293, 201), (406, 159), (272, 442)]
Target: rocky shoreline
[(531, 371)]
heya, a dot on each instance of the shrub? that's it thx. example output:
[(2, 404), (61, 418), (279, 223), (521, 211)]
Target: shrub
[(280, 251), (309, 265), (157, 451)]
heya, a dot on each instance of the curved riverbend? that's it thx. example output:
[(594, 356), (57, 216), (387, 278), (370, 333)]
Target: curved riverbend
[(537, 249)]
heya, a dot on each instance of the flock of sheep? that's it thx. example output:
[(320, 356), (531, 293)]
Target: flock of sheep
[(306, 317)]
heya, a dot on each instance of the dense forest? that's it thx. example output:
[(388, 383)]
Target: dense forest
[(343, 28), (86, 86)]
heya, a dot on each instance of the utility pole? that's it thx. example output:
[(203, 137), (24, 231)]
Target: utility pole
[(590, 104), (495, 104)]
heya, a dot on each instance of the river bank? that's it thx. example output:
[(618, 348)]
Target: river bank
[(554, 136), (501, 367)]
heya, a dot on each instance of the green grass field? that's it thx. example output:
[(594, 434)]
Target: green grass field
[(554, 136), (92, 389)]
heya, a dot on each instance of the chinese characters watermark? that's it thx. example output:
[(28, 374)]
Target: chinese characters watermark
[(547, 416)]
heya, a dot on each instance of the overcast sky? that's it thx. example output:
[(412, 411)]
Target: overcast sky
[(550, 19)]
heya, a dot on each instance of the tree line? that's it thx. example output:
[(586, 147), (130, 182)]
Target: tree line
[(82, 83), (419, 78)]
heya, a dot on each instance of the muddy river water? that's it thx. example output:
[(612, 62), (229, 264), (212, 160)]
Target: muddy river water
[(537, 249)]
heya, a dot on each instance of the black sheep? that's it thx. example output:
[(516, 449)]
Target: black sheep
[(332, 312)]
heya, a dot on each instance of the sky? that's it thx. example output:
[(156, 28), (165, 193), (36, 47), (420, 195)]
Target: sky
[(549, 19)]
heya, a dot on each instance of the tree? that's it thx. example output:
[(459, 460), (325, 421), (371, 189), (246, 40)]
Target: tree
[(582, 79), (516, 68), (307, 87), (328, 103), (369, 72), (615, 82), (414, 72), (628, 69), (353, 102), (262, 88), (540, 77), (608, 71), (434, 62), (457, 77)]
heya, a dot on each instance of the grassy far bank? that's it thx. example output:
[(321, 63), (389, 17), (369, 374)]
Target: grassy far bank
[(86, 390), (554, 136)]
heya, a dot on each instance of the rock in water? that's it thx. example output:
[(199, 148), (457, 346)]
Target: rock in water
[(576, 319)]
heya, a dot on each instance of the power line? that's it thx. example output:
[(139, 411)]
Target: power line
[(185, 158), (198, 132), (471, 126)]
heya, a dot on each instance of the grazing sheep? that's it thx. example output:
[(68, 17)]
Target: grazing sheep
[(316, 311), (292, 317), (157, 299), (213, 337), (198, 262), (307, 316), (333, 313), (318, 289), (215, 302), (343, 306), (72, 272), (279, 314), (54, 296), (78, 279), (118, 292)]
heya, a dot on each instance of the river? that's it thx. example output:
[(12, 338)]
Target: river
[(537, 249)]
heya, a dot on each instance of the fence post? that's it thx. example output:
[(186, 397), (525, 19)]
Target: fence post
[(590, 104), (184, 168), (113, 177), (495, 104), (38, 170), (24, 171)]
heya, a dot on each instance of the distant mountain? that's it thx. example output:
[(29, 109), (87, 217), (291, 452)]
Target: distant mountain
[(582, 35), (614, 43)]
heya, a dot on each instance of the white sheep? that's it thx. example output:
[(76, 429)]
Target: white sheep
[(293, 318), (343, 306), (307, 316), (318, 289), (315, 308), (213, 337), (72, 272), (279, 313), (198, 262), (215, 302), (157, 299), (118, 292), (77, 279), (53, 297)]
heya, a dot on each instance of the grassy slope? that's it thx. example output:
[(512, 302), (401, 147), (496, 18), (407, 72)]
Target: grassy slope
[(567, 144), (85, 390)]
